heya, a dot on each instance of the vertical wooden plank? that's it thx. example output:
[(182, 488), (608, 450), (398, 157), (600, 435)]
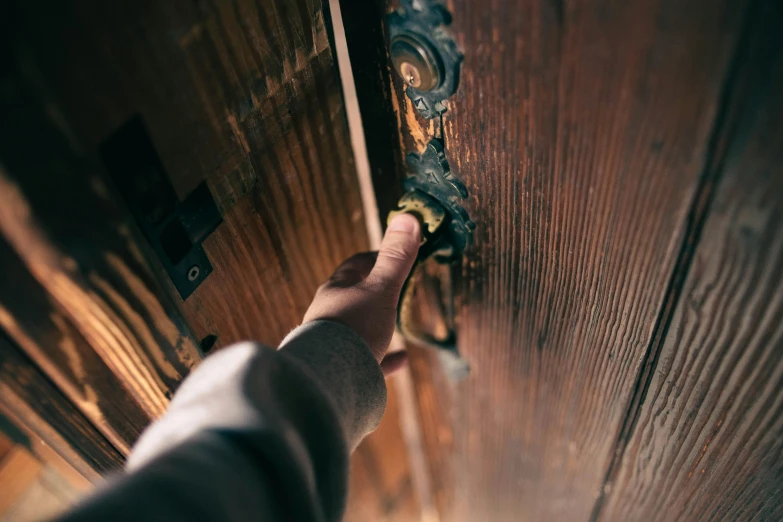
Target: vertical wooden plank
[(381, 488), (581, 130), (707, 442), (388, 137), (242, 94)]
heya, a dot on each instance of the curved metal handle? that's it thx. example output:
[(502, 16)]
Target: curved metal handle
[(434, 243), (434, 195), (454, 367), (405, 315)]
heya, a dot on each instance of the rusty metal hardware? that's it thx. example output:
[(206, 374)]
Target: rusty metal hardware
[(430, 174), (431, 216), (424, 54), (433, 194)]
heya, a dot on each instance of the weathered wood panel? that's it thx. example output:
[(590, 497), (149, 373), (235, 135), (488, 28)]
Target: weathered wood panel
[(243, 94), (38, 323), (435, 412), (76, 293), (37, 406), (708, 440), (582, 144), (581, 130)]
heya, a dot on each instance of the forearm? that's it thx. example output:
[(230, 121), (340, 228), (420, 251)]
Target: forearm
[(251, 419)]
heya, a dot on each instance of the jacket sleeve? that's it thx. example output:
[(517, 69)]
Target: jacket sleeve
[(254, 434)]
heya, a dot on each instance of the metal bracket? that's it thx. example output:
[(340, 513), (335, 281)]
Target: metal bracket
[(174, 229), (422, 50)]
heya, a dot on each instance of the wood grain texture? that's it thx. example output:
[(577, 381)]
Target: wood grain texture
[(581, 145), (708, 443), (435, 413), (35, 405), (46, 443), (40, 325), (244, 94), (93, 303), (581, 130), (18, 471)]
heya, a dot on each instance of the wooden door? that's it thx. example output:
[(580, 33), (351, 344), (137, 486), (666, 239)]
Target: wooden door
[(620, 306), (242, 96)]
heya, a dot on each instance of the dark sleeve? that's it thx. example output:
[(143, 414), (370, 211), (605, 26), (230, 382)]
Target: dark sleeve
[(254, 434)]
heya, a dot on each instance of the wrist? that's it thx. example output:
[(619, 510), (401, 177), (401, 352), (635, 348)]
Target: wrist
[(343, 364)]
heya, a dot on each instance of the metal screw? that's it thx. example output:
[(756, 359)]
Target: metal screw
[(193, 273)]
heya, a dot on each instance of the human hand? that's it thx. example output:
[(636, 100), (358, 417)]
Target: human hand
[(363, 292)]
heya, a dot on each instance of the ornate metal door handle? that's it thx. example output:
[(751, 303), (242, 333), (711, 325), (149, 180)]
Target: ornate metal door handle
[(434, 195), (428, 60)]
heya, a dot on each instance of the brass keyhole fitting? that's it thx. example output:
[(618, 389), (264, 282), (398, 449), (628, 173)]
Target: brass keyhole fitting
[(416, 62)]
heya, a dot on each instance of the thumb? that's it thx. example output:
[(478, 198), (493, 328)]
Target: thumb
[(398, 250)]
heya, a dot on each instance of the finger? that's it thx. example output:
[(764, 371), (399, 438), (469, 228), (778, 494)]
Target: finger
[(393, 362), (398, 251), (354, 269)]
